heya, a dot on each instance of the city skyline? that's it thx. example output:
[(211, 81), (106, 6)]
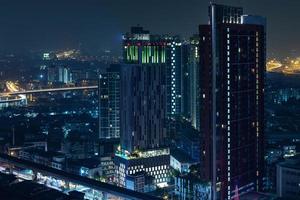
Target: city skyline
[(146, 100), (98, 25)]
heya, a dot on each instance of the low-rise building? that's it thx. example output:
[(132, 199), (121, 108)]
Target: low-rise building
[(90, 167), (288, 178), (155, 163), (48, 158), (100, 168), (108, 169), (181, 161), (136, 181), (190, 187)]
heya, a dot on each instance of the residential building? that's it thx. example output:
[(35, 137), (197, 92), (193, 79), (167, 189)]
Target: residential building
[(232, 70)]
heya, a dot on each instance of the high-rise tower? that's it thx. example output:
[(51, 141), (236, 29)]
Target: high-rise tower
[(143, 153), (141, 47), (143, 107), (232, 69), (190, 81)]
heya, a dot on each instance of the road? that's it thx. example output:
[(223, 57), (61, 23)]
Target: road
[(20, 94)]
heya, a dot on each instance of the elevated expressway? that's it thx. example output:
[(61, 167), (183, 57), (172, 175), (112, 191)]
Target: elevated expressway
[(16, 94)]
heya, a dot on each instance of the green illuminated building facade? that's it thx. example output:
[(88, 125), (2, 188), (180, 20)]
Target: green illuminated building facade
[(140, 47), (148, 54)]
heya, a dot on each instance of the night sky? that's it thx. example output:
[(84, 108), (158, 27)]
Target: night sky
[(96, 25)]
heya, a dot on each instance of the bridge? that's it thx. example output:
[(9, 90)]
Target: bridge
[(20, 94), (51, 90), (118, 192), (10, 100)]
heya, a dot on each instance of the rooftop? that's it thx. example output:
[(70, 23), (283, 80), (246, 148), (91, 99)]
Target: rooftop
[(181, 156), (142, 154), (47, 154), (292, 163)]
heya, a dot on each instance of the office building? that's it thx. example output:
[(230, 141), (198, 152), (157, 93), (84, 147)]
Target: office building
[(109, 103), (232, 70)]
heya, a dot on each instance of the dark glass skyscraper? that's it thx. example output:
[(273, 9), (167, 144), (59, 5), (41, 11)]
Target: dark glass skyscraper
[(144, 152), (141, 47), (143, 93), (143, 132), (232, 69)]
